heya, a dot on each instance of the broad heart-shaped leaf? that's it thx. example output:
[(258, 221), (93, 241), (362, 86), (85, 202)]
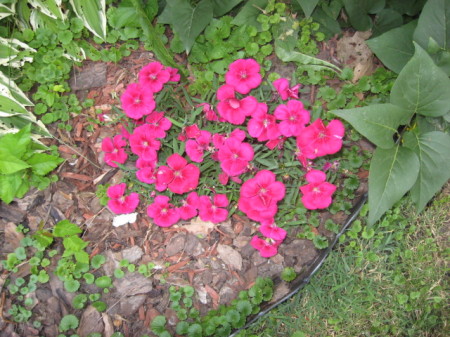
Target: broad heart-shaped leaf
[(395, 47), (9, 186), (308, 6), (189, 22), (222, 7), (434, 22), (42, 163), (422, 87), (378, 122), (392, 173), (93, 14), (358, 12), (73, 244), (249, 13), (433, 150)]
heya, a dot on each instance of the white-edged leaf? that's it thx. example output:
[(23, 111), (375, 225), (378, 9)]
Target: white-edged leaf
[(51, 8), (5, 11), (93, 14), (10, 52), (392, 173), (433, 150)]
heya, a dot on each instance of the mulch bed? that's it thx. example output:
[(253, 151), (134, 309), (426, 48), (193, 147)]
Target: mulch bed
[(218, 265)]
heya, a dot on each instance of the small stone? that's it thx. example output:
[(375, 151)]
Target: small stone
[(277, 259), (130, 304), (132, 254), (62, 200), (133, 284), (226, 294), (91, 321), (193, 246), (176, 244), (241, 241), (230, 256)]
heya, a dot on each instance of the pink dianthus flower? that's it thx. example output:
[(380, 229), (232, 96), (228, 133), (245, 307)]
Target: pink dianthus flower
[(243, 75), (283, 89), (293, 118), (263, 126), (137, 101), (114, 151), (267, 248), (158, 124), (174, 75), (179, 176), (272, 231), (318, 140), (232, 109), (189, 206), (213, 211), (195, 147), (154, 76), (143, 143), (119, 203), (162, 212), (234, 156), (317, 194)]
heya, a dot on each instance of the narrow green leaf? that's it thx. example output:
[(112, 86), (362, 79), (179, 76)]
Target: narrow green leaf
[(395, 47), (434, 22), (392, 173), (308, 6), (433, 151), (188, 22), (378, 123), (5, 11), (92, 12), (51, 8), (422, 87)]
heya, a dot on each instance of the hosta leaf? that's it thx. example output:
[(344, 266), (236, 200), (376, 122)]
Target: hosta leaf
[(392, 173), (51, 8), (395, 47), (433, 150), (378, 123), (5, 11), (434, 22), (188, 22), (308, 6), (42, 163), (92, 12), (421, 87)]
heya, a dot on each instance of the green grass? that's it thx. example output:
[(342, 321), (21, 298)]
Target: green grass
[(385, 282)]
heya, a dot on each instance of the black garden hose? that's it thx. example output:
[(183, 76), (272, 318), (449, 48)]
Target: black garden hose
[(306, 276)]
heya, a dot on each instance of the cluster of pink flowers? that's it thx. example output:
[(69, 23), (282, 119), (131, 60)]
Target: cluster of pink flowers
[(259, 194)]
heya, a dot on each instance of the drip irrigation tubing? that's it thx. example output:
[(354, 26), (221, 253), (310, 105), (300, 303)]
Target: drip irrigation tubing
[(315, 266)]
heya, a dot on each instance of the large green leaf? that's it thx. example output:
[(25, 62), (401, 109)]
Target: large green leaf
[(422, 87), (188, 22), (9, 186), (308, 6), (249, 13), (433, 150), (92, 12), (392, 173), (222, 7), (434, 22), (358, 12), (42, 163), (9, 163), (395, 47), (378, 123)]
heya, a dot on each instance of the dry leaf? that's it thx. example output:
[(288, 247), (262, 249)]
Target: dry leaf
[(199, 227)]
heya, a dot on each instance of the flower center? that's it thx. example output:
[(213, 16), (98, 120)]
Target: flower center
[(145, 143), (243, 75), (234, 103), (137, 100), (176, 173), (153, 77), (235, 156), (322, 135), (265, 123), (316, 190), (164, 211), (292, 118), (263, 190)]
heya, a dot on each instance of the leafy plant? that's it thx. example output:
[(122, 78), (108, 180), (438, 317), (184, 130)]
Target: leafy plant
[(23, 164), (288, 274), (409, 158)]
